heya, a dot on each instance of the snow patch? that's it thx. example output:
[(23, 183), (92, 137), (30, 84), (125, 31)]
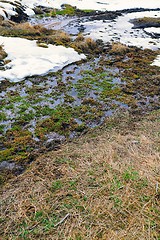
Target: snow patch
[(121, 30), (27, 59), (153, 30), (110, 5), (102, 5), (156, 62)]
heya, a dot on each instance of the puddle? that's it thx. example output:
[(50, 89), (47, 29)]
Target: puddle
[(36, 98)]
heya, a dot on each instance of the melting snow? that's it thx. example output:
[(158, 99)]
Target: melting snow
[(153, 30), (110, 5), (103, 5), (121, 30), (156, 62), (27, 59)]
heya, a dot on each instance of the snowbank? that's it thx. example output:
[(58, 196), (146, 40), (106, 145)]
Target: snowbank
[(153, 30), (27, 59), (156, 62), (10, 8), (121, 30), (109, 4)]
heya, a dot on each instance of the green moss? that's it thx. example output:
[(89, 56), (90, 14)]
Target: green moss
[(6, 154), (25, 117), (23, 107), (10, 106), (15, 128), (1, 183), (45, 111), (2, 116), (2, 127), (16, 99), (88, 10), (56, 185), (68, 10)]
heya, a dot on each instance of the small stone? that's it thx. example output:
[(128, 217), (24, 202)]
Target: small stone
[(53, 140), (43, 45)]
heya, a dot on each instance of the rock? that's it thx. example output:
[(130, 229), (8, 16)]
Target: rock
[(3, 54), (7, 23), (42, 10), (11, 167), (14, 11), (53, 140), (1, 19), (41, 44)]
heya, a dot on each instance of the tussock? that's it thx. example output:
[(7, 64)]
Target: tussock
[(3, 54), (119, 48), (86, 45)]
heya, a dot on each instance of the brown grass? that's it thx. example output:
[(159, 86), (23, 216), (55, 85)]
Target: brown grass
[(3, 54), (23, 30), (101, 186), (148, 20), (85, 45), (48, 36), (28, 27), (119, 48), (61, 37)]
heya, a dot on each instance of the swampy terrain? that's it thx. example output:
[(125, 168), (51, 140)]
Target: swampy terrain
[(41, 112), (80, 143)]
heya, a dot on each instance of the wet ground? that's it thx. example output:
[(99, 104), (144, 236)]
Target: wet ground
[(116, 26), (41, 112)]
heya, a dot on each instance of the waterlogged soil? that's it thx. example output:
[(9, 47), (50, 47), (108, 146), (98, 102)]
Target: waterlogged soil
[(70, 101), (127, 26), (41, 112)]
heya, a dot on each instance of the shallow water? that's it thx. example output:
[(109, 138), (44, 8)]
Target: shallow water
[(78, 97), (117, 29), (36, 94)]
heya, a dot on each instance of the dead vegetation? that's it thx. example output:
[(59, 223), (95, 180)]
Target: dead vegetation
[(85, 45), (9, 28), (102, 186), (3, 54), (153, 20), (146, 22), (119, 48)]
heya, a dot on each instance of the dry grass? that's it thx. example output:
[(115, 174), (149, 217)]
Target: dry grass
[(61, 37), (102, 186), (48, 36), (119, 48), (3, 54), (148, 20), (85, 45), (31, 29), (23, 30)]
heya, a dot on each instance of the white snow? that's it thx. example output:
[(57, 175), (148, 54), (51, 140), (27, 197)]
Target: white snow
[(121, 30), (152, 30), (156, 62), (81, 4), (110, 5), (27, 59), (7, 10)]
